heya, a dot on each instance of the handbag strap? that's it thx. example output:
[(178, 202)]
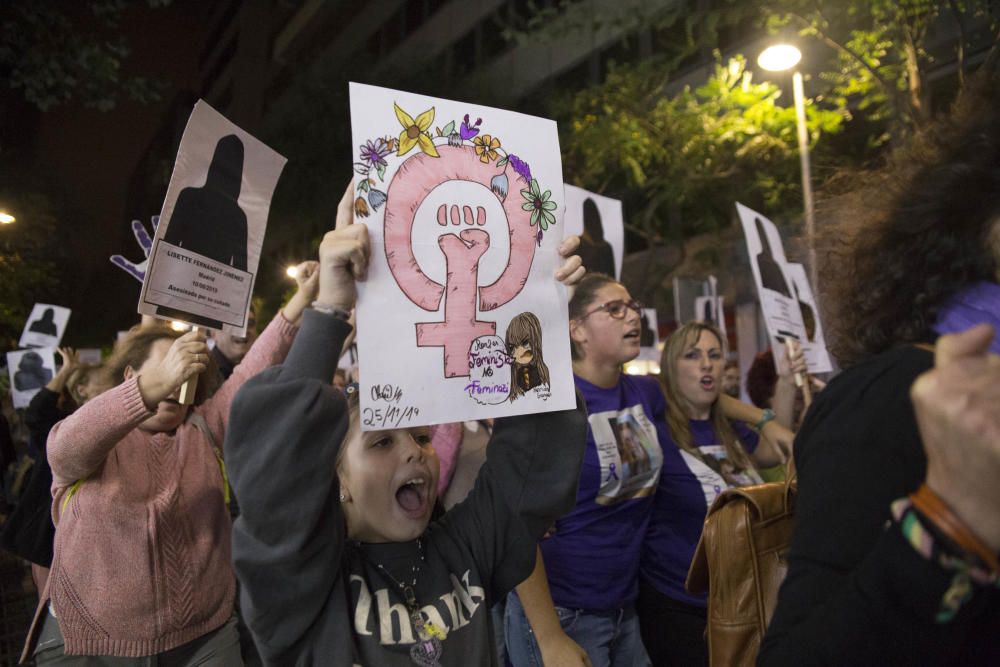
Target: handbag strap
[(200, 423), (791, 479)]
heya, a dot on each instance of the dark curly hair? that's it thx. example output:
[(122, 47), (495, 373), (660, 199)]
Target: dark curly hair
[(920, 230), (761, 379)]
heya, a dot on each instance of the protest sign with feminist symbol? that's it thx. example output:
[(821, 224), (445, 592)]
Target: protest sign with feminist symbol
[(460, 317)]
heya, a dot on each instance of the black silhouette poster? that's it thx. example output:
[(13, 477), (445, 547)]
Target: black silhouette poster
[(29, 371), (814, 344), (45, 326), (710, 310), (783, 314), (649, 337), (207, 246), (599, 222)]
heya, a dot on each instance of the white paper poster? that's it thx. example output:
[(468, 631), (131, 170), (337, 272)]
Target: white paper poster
[(89, 355), (45, 326), (207, 246), (709, 310), (599, 223), (649, 337), (460, 317), (782, 313), (814, 344), (29, 370)]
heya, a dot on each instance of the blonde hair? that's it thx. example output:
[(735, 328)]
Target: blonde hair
[(80, 376), (133, 350), (678, 419)]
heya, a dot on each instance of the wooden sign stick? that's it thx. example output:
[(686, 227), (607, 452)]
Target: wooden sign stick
[(190, 386)]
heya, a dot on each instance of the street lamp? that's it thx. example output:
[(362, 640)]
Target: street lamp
[(780, 58), (6, 218)]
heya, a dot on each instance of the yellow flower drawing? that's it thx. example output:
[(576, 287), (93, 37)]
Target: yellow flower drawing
[(486, 147), (415, 132)]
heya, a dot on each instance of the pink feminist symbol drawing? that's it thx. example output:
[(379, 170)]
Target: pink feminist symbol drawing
[(463, 242)]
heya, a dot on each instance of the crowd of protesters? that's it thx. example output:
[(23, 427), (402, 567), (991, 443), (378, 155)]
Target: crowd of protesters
[(559, 538)]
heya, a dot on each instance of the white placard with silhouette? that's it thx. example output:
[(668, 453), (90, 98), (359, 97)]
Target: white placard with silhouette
[(599, 223), (29, 371), (207, 245), (776, 291), (45, 326), (710, 310), (814, 344), (649, 337)]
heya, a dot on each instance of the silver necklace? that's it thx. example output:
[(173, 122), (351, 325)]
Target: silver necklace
[(426, 652)]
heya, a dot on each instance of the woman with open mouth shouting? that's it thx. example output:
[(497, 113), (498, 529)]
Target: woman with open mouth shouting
[(704, 454), (338, 556)]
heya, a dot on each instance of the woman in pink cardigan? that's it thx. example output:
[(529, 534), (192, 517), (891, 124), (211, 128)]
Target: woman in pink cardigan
[(142, 550)]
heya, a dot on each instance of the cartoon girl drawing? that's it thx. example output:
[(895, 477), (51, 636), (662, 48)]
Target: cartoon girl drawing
[(524, 345)]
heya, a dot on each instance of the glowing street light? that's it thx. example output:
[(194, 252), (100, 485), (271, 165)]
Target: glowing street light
[(292, 271), (6, 218), (780, 58)]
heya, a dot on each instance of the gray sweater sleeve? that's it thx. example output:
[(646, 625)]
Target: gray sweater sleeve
[(286, 427)]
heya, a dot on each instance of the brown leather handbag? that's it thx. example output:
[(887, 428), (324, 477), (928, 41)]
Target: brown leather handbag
[(740, 562)]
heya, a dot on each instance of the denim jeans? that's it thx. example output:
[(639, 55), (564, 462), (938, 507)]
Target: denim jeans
[(610, 638)]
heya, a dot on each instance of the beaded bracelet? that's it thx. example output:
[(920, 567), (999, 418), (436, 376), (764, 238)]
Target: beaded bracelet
[(765, 417), (966, 569)]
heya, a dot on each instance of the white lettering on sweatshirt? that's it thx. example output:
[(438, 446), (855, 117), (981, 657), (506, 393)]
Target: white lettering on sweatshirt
[(451, 611)]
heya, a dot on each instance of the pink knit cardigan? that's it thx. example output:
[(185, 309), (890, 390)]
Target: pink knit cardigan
[(142, 550)]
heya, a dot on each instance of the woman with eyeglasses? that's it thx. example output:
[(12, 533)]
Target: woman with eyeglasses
[(704, 454), (591, 558), (578, 607)]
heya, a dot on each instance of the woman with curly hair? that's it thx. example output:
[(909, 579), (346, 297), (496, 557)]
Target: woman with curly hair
[(894, 561)]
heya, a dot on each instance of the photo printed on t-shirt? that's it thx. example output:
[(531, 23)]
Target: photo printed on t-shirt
[(629, 454)]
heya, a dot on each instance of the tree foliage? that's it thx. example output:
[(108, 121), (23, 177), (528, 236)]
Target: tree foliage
[(681, 161), (51, 56), (885, 49)]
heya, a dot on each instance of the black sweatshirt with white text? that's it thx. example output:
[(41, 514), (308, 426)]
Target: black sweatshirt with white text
[(313, 597)]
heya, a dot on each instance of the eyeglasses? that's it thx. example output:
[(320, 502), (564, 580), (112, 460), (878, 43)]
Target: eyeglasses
[(616, 309)]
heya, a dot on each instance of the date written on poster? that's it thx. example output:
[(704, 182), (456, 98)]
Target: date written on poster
[(393, 415)]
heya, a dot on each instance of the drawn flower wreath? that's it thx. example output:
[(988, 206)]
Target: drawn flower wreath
[(372, 162)]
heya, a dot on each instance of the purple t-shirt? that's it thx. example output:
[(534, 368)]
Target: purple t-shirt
[(592, 560), (688, 487)]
